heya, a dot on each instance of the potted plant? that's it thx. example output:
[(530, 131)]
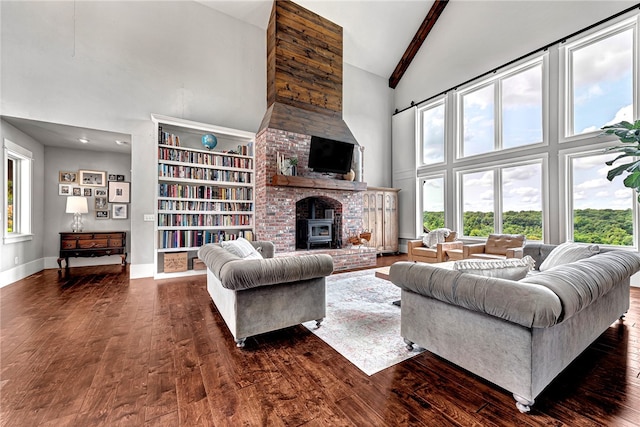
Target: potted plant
[(629, 135)]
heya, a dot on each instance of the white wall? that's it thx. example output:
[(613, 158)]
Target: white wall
[(367, 111), (29, 253), (109, 65), (474, 37)]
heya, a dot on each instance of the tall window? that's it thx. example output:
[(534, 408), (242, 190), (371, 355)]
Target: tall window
[(503, 200), (599, 73), (478, 203), (17, 207), (602, 211), (433, 134), (433, 203), (522, 200), (505, 112)]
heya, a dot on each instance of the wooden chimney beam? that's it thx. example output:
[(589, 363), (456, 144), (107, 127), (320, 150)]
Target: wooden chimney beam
[(418, 39)]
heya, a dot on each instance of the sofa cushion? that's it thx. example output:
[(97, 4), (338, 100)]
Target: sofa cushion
[(580, 283), (512, 268), (242, 248), (566, 253)]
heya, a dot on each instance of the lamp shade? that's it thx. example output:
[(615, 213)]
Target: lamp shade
[(77, 204)]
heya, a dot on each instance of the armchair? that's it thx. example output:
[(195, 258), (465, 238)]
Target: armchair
[(418, 252), (497, 246)]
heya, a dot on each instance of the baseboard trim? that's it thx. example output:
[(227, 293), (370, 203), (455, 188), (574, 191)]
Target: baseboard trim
[(21, 271), (139, 271)]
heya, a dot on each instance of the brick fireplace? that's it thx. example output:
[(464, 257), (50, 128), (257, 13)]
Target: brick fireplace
[(304, 99), (276, 214)]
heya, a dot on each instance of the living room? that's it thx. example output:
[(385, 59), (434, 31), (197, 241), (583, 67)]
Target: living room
[(109, 66)]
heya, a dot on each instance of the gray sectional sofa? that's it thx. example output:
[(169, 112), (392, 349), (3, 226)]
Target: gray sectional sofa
[(255, 296), (517, 334)]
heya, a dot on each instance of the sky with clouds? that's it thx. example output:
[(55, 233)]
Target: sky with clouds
[(602, 92)]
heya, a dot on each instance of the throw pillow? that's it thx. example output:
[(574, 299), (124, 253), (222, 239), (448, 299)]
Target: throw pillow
[(568, 252), (241, 247), (511, 268)]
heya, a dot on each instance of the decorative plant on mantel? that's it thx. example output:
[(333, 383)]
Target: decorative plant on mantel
[(629, 135)]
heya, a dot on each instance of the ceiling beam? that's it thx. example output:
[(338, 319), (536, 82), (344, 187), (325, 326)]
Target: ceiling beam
[(418, 39)]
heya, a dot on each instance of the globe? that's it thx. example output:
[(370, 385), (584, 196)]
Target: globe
[(209, 141)]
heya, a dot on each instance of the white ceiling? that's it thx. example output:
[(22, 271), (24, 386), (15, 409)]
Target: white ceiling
[(58, 135), (375, 32)]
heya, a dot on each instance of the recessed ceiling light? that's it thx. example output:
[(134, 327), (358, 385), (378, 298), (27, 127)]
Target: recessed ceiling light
[(83, 140)]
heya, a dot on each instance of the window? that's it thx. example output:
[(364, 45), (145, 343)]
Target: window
[(17, 208), (504, 112), (433, 203), (433, 135), (601, 211), (478, 203), (503, 199), (599, 73)]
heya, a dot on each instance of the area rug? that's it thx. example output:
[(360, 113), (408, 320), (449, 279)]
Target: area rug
[(362, 324)]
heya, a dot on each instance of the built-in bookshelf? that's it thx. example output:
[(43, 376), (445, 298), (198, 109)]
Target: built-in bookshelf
[(202, 196)]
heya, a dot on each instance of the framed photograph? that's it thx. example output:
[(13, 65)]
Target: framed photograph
[(92, 178), (120, 178), (67, 176), (100, 203), (76, 191), (119, 192), (65, 190), (102, 214), (86, 192), (100, 192), (118, 211), (113, 177)]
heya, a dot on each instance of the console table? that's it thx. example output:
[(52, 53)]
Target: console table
[(92, 244)]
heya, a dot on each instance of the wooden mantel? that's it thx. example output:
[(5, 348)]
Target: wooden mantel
[(320, 183)]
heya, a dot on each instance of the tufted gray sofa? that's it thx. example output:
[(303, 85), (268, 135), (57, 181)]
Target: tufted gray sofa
[(262, 295), (518, 335)]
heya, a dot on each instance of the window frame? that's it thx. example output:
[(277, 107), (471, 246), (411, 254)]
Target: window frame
[(565, 126), (498, 193), (566, 173), (496, 80), (22, 193), (421, 180), (437, 102)]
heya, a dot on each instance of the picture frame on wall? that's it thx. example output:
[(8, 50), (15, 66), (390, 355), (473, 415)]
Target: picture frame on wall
[(92, 178), (102, 214), (86, 192), (119, 192), (76, 191), (120, 178), (68, 176), (65, 190), (100, 192), (100, 203), (118, 211), (113, 177)]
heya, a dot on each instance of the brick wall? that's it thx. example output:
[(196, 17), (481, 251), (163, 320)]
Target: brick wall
[(276, 205)]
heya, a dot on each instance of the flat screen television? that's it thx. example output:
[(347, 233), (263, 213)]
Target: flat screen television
[(329, 155)]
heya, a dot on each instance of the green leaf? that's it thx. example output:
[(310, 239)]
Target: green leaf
[(618, 170), (633, 180)]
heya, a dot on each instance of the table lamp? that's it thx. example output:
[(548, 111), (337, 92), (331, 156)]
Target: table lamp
[(77, 206)]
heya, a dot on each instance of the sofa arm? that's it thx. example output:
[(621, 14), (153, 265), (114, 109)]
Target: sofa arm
[(474, 248), (411, 244), (515, 253), (245, 274), (441, 254)]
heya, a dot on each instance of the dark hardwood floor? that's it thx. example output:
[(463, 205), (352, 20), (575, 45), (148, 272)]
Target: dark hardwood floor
[(92, 348)]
